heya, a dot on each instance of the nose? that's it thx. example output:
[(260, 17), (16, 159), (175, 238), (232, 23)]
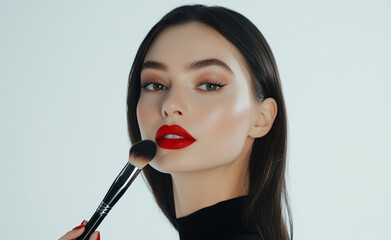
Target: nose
[(174, 106)]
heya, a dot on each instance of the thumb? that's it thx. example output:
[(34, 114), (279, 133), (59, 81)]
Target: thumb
[(95, 236), (74, 233)]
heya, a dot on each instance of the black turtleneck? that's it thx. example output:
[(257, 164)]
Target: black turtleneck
[(221, 221)]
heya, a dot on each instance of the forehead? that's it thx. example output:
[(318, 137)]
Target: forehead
[(184, 43)]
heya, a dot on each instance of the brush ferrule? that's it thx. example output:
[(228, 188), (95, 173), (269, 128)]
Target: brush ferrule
[(103, 209), (121, 183)]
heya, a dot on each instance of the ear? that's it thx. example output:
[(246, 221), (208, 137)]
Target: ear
[(265, 113)]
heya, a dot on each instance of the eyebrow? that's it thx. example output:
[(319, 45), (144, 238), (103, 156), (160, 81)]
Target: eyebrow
[(191, 67)]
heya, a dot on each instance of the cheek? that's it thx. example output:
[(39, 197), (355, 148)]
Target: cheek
[(145, 118), (223, 128)]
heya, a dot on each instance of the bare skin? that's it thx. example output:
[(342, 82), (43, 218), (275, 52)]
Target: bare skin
[(77, 231), (213, 103)]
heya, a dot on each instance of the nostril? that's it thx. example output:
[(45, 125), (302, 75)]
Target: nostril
[(172, 111)]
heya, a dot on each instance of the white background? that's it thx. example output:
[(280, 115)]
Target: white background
[(63, 133)]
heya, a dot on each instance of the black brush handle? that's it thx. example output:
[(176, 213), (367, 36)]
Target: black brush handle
[(121, 184), (117, 189), (91, 226)]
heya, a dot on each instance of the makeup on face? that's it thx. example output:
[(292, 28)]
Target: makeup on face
[(195, 99), (173, 137)]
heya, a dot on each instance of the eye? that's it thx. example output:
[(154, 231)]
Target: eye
[(210, 87), (154, 86)]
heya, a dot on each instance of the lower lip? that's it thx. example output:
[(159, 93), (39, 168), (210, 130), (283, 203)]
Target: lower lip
[(174, 143)]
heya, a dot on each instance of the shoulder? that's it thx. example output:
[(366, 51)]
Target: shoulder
[(245, 236)]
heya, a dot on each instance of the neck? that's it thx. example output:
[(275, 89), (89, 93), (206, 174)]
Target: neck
[(196, 190)]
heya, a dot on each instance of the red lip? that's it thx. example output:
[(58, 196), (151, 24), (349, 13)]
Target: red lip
[(173, 143)]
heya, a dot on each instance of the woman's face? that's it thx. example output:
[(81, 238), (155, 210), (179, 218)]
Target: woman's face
[(194, 78)]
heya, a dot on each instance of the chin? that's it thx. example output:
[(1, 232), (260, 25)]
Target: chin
[(170, 166)]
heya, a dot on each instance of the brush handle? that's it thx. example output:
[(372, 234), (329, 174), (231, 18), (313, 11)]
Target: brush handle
[(91, 226), (117, 189)]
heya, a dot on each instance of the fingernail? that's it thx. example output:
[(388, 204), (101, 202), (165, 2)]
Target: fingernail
[(98, 238), (82, 223), (78, 227)]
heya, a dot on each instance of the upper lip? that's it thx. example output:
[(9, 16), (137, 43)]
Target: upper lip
[(174, 129)]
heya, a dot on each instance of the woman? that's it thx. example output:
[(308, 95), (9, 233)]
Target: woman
[(205, 86)]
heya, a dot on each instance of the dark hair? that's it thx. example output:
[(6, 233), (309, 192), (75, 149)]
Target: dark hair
[(267, 189)]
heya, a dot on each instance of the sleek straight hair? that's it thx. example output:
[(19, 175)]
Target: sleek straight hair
[(264, 211)]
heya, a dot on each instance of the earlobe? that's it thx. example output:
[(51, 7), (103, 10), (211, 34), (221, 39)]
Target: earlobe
[(265, 114)]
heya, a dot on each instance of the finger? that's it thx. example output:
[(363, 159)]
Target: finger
[(95, 236), (74, 233)]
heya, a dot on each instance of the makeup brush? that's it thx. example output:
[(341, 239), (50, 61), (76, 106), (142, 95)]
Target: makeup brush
[(140, 155)]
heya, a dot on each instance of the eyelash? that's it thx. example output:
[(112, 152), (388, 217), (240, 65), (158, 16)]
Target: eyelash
[(211, 82)]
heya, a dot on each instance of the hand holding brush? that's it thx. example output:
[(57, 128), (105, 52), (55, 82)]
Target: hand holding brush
[(140, 155)]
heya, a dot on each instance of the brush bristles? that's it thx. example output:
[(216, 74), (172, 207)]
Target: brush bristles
[(141, 153)]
